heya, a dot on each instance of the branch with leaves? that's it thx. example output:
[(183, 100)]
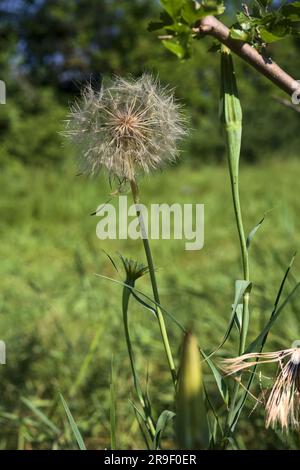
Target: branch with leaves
[(183, 21)]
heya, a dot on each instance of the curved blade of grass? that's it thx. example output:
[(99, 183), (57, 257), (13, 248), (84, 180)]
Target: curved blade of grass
[(262, 337), (219, 379), (113, 407), (253, 232), (134, 289), (141, 421), (165, 417), (111, 260), (73, 424), (41, 415), (213, 411), (152, 310), (241, 287), (259, 342)]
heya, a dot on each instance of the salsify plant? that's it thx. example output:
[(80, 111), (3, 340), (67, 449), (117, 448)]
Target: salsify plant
[(133, 126), (129, 127)]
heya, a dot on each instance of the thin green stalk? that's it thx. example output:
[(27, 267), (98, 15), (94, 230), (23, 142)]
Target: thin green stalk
[(125, 303), (159, 314), (233, 138), (231, 117)]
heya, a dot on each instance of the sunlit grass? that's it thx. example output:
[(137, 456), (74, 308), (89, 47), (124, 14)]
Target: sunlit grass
[(52, 305)]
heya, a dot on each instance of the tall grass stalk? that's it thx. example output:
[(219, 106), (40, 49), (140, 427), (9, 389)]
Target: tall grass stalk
[(159, 314)]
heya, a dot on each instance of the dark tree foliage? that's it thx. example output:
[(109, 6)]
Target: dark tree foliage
[(71, 41), (50, 47)]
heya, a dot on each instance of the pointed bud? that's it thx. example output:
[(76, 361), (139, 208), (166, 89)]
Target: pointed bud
[(191, 420)]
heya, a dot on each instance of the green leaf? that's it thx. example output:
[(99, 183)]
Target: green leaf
[(253, 232), (179, 29), (221, 384), (73, 425), (211, 7), (239, 34), (137, 291), (241, 287), (175, 47), (239, 317), (165, 417), (273, 35), (243, 20), (141, 422), (173, 7), (189, 12)]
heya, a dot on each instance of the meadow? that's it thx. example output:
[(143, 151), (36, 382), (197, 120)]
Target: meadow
[(62, 324)]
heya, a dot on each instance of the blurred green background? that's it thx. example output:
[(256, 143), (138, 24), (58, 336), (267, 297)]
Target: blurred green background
[(60, 322)]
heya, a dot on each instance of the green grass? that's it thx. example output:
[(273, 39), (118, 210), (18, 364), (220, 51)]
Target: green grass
[(55, 311)]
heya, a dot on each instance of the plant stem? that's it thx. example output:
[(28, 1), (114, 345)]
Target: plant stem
[(234, 180), (148, 419), (159, 314), (231, 117)]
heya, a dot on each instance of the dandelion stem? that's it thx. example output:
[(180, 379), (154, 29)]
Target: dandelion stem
[(159, 314)]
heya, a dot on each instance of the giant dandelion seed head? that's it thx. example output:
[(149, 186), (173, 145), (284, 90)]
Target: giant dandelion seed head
[(128, 127), (283, 404)]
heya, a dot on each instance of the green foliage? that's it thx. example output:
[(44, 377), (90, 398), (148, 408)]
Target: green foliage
[(73, 424), (53, 312), (52, 305), (29, 125), (264, 25), (177, 21), (39, 90)]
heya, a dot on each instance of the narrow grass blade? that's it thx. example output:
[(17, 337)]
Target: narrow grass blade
[(219, 379), (241, 287), (43, 418), (165, 417), (86, 362), (113, 407), (253, 232), (259, 342), (141, 424), (134, 289), (73, 425), (111, 260)]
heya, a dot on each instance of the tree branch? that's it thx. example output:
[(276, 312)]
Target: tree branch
[(213, 27)]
